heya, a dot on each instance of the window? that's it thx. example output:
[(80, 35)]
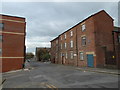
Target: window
[(1, 26), (0, 51), (84, 41), (0, 38), (119, 38), (83, 27), (71, 55), (71, 33), (61, 37), (65, 45), (56, 41), (71, 44), (81, 56), (61, 45), (65, 35), (66, 55), (56, 55), (61, 55)]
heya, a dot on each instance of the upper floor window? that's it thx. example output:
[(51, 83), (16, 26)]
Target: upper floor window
[(61, 37), (71, 43), (65, 45), (119, 38), (71, 33), (56, 41), (0, 38), (65, 35), (0, 51), (1, 26), (61, 45), (84, 41), (83, 27), (81, 56)]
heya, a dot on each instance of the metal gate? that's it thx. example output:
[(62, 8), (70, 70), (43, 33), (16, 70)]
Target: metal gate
[(90, 60)]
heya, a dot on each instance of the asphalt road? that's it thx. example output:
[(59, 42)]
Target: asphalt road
[(46, 75)]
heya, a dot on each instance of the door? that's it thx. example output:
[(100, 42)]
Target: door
[(63, 60), (90, 60)]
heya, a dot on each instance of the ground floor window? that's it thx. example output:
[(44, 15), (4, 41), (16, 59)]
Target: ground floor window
[(71, 55), (81, 56), (66, 55), (0, 51)]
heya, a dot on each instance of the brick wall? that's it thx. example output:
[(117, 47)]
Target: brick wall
[(13, 43)]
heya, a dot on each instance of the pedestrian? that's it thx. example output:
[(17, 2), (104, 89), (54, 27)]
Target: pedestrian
[(23, 65)]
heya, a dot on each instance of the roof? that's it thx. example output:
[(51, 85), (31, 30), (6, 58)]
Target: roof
[(11, 16), (54, 39), (83, 21)]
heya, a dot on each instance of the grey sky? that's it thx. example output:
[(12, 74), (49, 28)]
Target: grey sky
[(47, 20)]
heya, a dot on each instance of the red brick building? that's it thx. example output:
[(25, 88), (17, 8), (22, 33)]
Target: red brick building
[(89, 43), (12, 42)]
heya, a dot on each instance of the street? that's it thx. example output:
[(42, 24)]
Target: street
[(47, 75)]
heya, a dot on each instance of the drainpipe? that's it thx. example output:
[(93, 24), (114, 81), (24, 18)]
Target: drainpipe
[(76, 47)]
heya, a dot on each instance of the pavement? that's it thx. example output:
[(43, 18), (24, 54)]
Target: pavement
[(101, 70), (47, 75)]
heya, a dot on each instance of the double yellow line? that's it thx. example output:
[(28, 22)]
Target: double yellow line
[(51, 86)]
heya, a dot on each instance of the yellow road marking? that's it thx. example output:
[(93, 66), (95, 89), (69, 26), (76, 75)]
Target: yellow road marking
[(51, 86)]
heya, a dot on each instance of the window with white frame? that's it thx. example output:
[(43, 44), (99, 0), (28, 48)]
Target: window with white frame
[(66, 55), (0, 51), (61, 55), (61, 37), (65, 45), (71, 54), (83, 27), (56, 41), (61, 45), (1, 26), (119, 38), (0, 38), (65, 35), (81, 56), (71, 33), (83, 40), (71, 43), (56, 55)]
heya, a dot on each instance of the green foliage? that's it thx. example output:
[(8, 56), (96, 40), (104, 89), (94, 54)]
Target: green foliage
[(43, 55), (29, 55)]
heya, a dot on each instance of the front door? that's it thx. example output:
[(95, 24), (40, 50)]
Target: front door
[(90, 60)]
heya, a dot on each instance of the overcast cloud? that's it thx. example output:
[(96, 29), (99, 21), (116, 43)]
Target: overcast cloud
[(46, 20)]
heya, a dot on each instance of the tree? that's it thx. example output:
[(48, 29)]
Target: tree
[(43, 55), (29, 55)]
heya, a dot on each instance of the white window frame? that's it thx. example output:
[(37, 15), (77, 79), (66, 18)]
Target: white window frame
[(71, 55), (83, 27), (61, 37), (71, 33), (61, 45), (1, 26), (0, 51), (56, 41), (1, 38), (65, 35), (118, 38), (66, 55), (56, 55), (83, 38), (65, 45), (71, 43), (81, 55)]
